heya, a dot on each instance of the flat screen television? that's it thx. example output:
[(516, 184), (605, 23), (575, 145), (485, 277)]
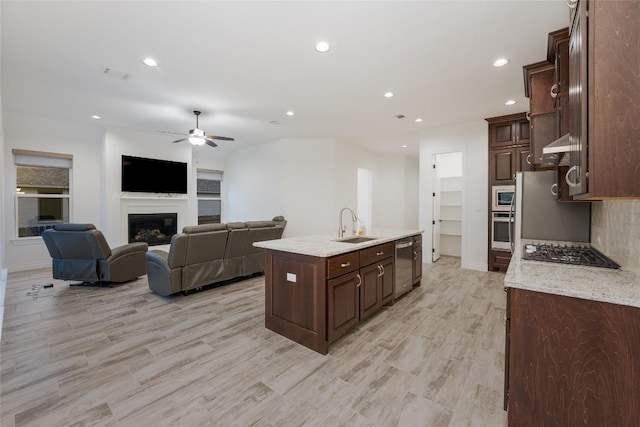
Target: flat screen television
[(144, 175)]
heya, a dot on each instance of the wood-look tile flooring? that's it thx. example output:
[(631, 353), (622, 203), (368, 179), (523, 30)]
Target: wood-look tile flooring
[(124, 356)]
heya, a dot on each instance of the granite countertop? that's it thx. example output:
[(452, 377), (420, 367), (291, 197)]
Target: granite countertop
[(325, 245), (592, 283)]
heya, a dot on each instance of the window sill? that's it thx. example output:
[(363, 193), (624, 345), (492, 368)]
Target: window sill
[(21, 241)]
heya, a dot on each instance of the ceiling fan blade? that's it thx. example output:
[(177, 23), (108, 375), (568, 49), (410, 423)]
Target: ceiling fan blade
[(170, 133), (211, 143), (220, 138), (180, 140)]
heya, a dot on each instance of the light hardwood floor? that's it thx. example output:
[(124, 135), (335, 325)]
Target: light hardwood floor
[(128, 357)]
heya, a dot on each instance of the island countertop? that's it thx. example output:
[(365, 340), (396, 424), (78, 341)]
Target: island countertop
[(592, 283), (328, 245)]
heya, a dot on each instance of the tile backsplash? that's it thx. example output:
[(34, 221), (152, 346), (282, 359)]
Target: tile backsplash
[(615, 230)]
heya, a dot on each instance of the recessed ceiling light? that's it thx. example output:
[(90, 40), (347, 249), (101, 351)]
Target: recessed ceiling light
[(404, 146), (322, 46), (501, 62), (510, 102), (96, 117), (150, 62), (388, 95), (290, 113), (418, 120)]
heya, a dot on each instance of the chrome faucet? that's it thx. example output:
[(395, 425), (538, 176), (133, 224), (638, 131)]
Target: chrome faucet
[(354, 220)]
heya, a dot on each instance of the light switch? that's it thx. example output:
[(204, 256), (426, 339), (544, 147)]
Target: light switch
[(291, 277)]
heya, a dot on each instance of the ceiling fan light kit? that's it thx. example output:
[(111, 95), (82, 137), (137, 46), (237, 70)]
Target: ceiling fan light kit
[(198, 137)]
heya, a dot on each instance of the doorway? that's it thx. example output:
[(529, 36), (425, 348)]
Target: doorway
[(447, 205)]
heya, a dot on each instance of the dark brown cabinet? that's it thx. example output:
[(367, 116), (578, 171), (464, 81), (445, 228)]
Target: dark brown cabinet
[(508, 131), (571, 361), (541, 89), (417, 260), (344, 307), (604, 88), (377, 274), (509, 153), (558, 54)]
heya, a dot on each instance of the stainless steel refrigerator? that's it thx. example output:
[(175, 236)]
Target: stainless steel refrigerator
[(539, 216)]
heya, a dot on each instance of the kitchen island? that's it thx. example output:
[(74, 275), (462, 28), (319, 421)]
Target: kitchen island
[(572, 344), (319, 287)]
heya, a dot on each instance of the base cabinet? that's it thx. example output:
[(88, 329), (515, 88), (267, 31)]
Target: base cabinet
[(572, 362), (314, 301)]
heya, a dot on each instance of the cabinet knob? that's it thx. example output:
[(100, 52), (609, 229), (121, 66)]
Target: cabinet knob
[(345, 264), (380, 253), (554, 90)]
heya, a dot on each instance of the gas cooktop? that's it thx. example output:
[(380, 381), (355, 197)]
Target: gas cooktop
[(574, 255)]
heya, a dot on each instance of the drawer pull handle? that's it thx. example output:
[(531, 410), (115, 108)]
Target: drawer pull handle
[(415, 255), (380, 253), (345, 264), (380, 272), (554, 189), (359, 280), (528, 159), (554, 91)]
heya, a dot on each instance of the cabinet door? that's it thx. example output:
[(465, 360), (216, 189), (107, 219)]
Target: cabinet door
[(502, 166), (502, 135), (542, 83), (523, 132), (578, 101), (370, 291), (417, 265), (343, 301), (543, 132), (387, 279), (524, 159)]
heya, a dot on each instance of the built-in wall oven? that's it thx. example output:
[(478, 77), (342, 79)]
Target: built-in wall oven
[(502, 228)]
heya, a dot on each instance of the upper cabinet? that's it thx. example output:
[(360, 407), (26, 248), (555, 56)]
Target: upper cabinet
[(604, 100), (541, 88), (509, 152), (558, 54)]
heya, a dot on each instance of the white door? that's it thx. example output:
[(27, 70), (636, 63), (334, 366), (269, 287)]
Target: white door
[(435, 232)]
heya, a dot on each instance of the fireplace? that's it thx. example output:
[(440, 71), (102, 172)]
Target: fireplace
[(154, 229)]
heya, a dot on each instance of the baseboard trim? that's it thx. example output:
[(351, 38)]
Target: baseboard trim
[(29, 266), (478, 266)]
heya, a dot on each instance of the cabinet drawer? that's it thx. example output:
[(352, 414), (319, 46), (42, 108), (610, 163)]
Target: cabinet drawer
[(342, 264), (376, 253)]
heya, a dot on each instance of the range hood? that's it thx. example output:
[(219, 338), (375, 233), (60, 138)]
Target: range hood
[(557, 152)]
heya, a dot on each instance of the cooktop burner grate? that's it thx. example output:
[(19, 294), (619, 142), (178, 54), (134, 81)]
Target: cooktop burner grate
[(574, 255)]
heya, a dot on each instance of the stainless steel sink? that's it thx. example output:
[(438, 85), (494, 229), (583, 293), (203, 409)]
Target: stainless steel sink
[(358, 239)]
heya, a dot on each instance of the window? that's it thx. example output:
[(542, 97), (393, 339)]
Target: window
[(42, 191), (209, 196)]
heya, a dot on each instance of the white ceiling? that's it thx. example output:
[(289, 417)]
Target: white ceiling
[(244, 64)]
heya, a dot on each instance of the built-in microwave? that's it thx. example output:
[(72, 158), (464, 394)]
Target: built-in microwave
[(502, 195)]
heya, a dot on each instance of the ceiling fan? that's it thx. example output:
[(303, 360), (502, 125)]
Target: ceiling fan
[(197, 136)]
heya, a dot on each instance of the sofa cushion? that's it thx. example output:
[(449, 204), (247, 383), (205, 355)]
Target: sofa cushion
[(203, 228), (260, 224), (236, 225)]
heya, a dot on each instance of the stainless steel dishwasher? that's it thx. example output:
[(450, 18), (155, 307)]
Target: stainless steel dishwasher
[(404, 265)]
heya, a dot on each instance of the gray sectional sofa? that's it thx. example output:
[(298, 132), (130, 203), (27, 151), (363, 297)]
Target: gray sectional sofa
[(210, 253)]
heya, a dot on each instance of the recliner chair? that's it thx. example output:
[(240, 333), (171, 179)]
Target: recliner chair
[(80, 252)]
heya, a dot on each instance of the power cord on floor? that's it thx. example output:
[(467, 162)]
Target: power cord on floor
[(35, 290)]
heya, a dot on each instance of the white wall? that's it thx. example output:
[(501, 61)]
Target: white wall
[(310, 180), (292, 177), (472, 140), (83, 142)]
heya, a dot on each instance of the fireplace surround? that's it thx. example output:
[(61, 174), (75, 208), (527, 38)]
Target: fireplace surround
[(153, 228)]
